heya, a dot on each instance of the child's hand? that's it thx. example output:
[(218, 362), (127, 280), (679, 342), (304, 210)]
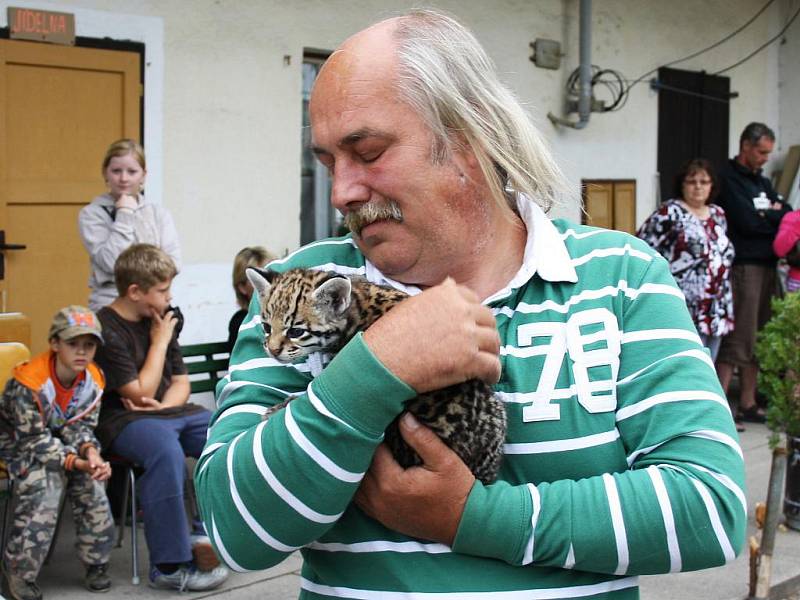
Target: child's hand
[(144, 404), (99, 469), (126, 201), (162, 328)]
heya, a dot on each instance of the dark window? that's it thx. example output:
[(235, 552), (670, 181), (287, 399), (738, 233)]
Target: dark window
[(317, 218)]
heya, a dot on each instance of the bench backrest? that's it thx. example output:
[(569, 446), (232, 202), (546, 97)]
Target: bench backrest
[(209, 359)]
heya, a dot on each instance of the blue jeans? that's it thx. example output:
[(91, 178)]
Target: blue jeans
[(159, 446)]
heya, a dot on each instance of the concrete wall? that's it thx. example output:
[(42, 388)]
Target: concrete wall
[(223, 131)]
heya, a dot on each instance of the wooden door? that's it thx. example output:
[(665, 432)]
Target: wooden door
[(610, 204), (61, 106)]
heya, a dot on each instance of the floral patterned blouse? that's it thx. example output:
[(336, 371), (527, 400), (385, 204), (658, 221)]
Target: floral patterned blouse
[(700, 256)]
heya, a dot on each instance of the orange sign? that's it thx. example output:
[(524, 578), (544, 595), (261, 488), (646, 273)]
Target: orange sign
[(41, 26)]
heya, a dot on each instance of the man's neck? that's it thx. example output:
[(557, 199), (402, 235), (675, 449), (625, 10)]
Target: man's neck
[(498, 259), (126, 309), (741, 161)]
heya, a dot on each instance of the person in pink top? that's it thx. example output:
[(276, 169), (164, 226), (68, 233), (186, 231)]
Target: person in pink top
[(785, 241)]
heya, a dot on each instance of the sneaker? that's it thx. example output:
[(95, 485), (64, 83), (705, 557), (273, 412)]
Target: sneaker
[(18, 588), (203, 552), (97, 579), (188, 578)]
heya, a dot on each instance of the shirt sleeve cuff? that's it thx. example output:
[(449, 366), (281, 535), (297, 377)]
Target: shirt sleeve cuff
[(357, 387), (124, 219), (496, 522)]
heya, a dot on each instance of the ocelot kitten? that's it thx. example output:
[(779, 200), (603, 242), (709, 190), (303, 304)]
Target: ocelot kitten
[(305, 311)]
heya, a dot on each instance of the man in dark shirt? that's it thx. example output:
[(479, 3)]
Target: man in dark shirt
[(146, 418), (754, 212)]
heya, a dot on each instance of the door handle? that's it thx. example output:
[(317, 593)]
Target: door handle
[(3, 248)]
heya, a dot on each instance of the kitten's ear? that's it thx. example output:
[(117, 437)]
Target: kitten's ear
[(260, 280), (333, 294)]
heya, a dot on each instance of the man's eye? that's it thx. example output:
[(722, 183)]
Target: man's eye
[(295, 332), (371, 157)]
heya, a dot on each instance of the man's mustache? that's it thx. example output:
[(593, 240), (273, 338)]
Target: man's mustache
[(370, 212)]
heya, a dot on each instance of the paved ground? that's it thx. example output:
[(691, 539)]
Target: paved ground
[(62, 577)]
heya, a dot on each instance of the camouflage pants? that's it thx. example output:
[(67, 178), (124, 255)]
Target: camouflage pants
[(36, 498)]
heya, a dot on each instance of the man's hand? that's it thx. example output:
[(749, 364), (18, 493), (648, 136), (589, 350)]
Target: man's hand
[(145, 404), (424, 502), (438, 338), (162, 328)]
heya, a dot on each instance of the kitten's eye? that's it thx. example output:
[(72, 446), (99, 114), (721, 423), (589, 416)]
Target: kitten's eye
[(295, 332), (267, 328)]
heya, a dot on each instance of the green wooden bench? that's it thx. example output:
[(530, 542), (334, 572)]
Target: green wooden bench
[(210, 360)]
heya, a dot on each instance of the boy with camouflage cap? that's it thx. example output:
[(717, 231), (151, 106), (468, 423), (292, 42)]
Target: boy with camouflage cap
[(48, 414)]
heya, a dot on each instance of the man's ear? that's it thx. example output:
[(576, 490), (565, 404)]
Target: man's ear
[(465, 158), (54, 344)]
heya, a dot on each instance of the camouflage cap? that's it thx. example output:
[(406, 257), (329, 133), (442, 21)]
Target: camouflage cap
[(73, 321)]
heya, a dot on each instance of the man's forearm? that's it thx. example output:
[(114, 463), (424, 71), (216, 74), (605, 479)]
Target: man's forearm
[(296, 473)]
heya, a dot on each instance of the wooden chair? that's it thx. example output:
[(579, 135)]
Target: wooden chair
[(11, 354)]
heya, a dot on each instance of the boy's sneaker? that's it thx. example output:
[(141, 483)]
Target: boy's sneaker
[(97, 579), (188, 578), (18, 588), (203, 552)]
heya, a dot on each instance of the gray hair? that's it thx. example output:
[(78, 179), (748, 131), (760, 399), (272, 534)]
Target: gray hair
[(447, 77), (754, 132)]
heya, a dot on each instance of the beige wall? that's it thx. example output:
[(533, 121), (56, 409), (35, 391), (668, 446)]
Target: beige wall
[(230, 97)]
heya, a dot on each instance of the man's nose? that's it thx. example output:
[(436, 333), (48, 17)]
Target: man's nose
[(349, 187)]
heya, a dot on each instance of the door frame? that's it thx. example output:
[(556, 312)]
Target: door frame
[(92, 27)]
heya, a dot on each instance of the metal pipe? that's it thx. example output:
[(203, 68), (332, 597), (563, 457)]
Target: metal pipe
[(584, 104), (776, 479), (585, 69)]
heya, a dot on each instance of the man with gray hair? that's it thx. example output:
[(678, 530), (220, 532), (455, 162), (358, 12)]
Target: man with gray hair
[(754, 211), (621, 456)]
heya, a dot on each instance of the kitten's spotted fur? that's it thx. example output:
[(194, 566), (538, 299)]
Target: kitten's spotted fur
[(305, 311)]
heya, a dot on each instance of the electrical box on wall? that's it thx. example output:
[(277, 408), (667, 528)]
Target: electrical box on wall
[(546, 53)]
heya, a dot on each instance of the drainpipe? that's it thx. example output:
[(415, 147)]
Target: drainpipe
[(584, 103)]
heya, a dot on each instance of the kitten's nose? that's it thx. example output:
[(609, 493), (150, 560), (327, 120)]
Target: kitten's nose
[(274, 348)]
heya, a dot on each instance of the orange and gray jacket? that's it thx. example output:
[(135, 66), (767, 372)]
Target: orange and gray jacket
[(38, 426)]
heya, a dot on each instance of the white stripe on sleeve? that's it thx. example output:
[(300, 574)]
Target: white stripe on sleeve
[(620, 534), (716, 523), (322, 409), (315, 453), (536, 500), (280, 489), (247, 517), (675, 560), (677, 396), (223, 551)]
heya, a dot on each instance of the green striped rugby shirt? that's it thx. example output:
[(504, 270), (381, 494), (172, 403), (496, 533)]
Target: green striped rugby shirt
[(621, 457)]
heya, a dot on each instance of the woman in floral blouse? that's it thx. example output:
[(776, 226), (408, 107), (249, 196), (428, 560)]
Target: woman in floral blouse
[(690, 232)]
